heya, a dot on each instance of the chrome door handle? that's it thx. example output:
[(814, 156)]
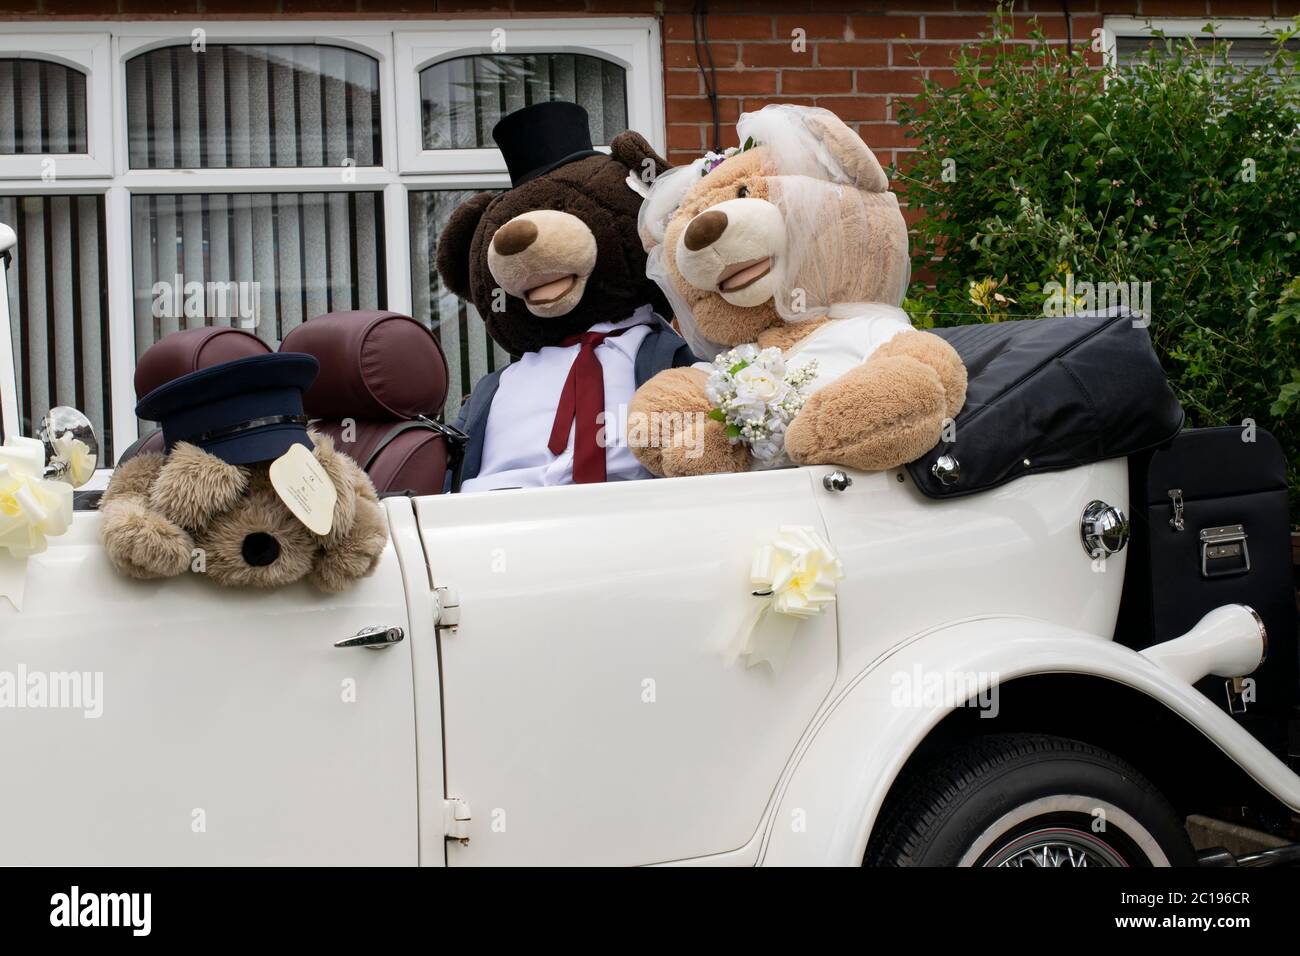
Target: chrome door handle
[(374, 638)]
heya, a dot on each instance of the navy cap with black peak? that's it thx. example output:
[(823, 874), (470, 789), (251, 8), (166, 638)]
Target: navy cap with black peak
[(244, 411)]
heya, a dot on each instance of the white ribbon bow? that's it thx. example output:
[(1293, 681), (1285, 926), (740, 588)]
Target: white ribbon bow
[(797, 573), (32, 509)]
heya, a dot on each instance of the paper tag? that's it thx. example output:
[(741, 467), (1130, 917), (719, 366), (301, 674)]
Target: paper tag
[(305, 488)]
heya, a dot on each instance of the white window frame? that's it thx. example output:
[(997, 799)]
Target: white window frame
[(632, 43), (87, 53), (1226, 27), (401, 48)]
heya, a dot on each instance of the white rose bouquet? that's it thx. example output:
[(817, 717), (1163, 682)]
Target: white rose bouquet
[(756, 397)]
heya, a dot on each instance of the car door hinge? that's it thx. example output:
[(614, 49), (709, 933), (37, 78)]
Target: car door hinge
[(455, 820), (448, 613)]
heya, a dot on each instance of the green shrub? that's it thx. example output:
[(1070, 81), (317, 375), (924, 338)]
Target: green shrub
[(1182, 171)]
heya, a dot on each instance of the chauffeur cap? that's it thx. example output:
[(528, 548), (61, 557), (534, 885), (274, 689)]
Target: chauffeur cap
[(243, 411)]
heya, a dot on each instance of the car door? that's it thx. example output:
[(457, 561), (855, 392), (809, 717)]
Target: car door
[(591, 715), (195, 724)]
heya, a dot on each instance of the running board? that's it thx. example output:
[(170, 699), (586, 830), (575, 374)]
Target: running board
[(1288, 855)]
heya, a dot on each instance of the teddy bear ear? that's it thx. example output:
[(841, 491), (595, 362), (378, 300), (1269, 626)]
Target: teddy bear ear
[(344, 474), (359, 533), (192, 487), (857, 159), (633, 151), (454, 242)]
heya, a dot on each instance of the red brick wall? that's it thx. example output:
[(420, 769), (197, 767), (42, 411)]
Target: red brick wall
[(860, 59)]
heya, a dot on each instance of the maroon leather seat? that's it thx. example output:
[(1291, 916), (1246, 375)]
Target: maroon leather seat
[(179, 354), (383, 379)]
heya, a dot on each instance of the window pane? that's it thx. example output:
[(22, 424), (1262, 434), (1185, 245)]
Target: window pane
[(238, 105), (471, 353), (42, 107), (462, 99), (58, 308), (1248, 51), (264, 262)]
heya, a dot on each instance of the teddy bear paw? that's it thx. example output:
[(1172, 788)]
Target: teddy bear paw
[(704, 451), (143, 544), (878, 416)]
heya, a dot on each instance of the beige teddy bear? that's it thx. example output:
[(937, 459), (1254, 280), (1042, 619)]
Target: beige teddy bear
[(161, 510), (795, 242)]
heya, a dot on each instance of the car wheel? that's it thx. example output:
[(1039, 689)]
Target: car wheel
[(1028, 800)]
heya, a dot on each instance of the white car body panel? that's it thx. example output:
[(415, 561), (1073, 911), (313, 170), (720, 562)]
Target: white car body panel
[(912, 563), (579, 604), (232, 704), (842, 774), (584, 708)]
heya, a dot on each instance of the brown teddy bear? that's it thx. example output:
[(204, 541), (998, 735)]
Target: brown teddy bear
[(159, 509), (556, 270), (793, 241), (208, 504)]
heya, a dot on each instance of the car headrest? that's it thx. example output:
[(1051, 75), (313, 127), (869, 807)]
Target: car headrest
[(372, 365), (189, 350)]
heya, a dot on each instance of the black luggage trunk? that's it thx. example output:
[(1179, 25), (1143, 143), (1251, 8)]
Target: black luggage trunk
[(1210, 526)]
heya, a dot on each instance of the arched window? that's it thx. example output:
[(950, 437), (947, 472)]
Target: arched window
[(252, 106), (42, 107), (461, 99)]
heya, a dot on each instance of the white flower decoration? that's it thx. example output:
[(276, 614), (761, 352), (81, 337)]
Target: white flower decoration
[(796, 575), (32, 507), (756, 397)]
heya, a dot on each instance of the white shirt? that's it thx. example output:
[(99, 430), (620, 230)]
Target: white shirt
[(856, 329), (515, 452)]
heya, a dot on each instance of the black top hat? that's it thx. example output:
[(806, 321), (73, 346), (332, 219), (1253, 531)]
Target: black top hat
[(242, 411), (542, 137)]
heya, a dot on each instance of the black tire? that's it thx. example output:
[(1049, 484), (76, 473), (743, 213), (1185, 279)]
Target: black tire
[(1028, 800)]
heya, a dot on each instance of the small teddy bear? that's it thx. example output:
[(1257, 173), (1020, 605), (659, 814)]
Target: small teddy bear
[(159, 508), (208, 503), (794, 242)]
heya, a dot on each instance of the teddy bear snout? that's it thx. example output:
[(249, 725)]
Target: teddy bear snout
[(731, 248), (543, 257), (260, 549), (705, 229), (514, 237)]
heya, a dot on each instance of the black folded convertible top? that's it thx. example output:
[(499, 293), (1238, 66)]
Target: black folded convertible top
[(1048, 394)]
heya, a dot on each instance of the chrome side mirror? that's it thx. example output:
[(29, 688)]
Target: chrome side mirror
[(71, 448)]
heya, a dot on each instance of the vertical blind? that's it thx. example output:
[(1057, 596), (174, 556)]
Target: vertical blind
[(461, 99), (471, 353), (236, 105), (42, 107), (58, 308), (262, 261), (1247, 51)]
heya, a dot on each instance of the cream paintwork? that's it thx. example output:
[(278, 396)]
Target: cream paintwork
[(229, 703), (841, 774), (570, 600), (1213, 646), (562, 626), (912, 563)]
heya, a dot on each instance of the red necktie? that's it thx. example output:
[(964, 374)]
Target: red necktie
[(582, 401)]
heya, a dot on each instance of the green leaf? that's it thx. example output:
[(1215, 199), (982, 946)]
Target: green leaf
[(733, 431), (735, 369)]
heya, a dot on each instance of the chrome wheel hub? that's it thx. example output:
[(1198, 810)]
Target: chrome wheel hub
[(1055, 848)]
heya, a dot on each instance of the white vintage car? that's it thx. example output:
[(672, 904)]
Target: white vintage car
[(533, 677)]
